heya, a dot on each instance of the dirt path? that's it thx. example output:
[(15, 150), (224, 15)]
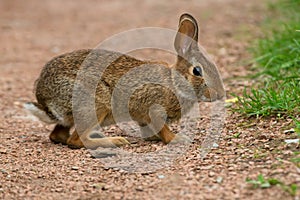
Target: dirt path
[(31, 167)]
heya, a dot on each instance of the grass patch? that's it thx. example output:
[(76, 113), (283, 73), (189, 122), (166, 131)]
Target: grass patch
[(297, 128), (296, 159), (274, 98), (262, 182), (277, 62)]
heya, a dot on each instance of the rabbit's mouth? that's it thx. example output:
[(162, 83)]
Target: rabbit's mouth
[(210, 95)]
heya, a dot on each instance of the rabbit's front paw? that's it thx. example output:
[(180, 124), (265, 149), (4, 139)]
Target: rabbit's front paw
[(181, 138), (152, 138)]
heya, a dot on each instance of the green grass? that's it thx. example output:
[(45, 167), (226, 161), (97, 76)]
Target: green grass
[(279, 55), (277, 63), (262, 182), (278, 98), (297, 126)]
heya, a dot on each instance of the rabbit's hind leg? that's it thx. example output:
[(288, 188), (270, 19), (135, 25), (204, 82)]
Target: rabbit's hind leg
[(105, 142), (86, 140), (76, 141), (60, 134)]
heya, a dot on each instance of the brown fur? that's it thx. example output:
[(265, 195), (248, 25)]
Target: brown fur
[(54, 89)]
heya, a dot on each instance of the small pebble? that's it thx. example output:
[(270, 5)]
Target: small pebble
[(139, 188), (289, 131), (215, 145), (75, 168), (3, 151), (160, 176), (219, 179), (290, 141), (211, 174)]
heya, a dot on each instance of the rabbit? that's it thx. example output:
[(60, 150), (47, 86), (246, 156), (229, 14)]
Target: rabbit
[(54, 87)]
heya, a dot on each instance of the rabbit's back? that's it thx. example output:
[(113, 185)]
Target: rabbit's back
[(88, 68)]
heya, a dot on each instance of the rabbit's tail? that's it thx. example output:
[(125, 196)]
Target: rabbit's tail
[(36, 110)]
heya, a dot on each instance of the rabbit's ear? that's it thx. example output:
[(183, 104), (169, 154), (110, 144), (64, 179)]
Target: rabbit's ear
[(186, 35)]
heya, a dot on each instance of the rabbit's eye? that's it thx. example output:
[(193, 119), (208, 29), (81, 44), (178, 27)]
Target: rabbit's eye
[(197, 71)]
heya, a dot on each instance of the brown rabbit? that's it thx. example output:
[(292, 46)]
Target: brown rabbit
[(55, 88)]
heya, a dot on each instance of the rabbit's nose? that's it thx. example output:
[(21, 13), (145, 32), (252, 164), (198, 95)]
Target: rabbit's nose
[(209, 95), (220, 95)]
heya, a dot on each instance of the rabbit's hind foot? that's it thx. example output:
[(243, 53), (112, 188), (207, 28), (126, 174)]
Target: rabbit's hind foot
[(60, 134), (86, 141)]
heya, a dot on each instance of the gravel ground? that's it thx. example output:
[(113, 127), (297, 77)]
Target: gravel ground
[(31, 167)]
